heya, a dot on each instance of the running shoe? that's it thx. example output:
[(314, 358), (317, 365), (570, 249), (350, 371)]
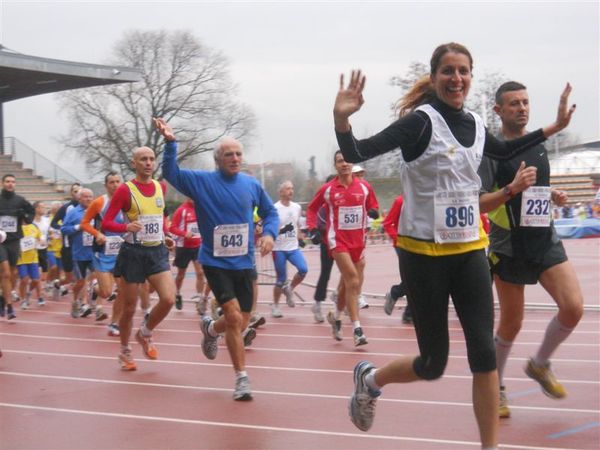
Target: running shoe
[(336, 326), (362, 302), (359, 337), (248, 335), (10, 312), (85, 310), (503, 409), (275, 311), (289, 295), (316, 310), (363, 402), (112, 297), (407, 318), (41, 302), (256, 321), (201, 304), (242, 391), (75, 309), (113, 329), (178, 302), (126, 361), (390, 302), (100, 315), (147, 344), (209, 343), (545, 377), (25, 304)]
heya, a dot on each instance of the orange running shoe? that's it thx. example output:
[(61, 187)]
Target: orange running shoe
[(147, 344), (126, 361)]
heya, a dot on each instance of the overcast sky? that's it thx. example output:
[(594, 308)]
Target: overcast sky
[(286, 58)]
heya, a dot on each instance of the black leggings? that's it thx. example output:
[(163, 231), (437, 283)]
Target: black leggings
[(326, 266), (430, 281)]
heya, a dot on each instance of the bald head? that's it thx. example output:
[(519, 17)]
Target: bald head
[(144, 163), (85, 197)]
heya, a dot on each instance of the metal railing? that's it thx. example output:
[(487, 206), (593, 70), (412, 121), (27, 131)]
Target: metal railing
[(40, 165)]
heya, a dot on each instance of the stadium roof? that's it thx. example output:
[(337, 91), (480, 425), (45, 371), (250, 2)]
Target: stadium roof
[(24, 75)]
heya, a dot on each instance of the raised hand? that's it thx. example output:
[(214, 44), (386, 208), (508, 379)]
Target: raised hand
[(525, 177), (563, 117), (349, 99), (163, 128)]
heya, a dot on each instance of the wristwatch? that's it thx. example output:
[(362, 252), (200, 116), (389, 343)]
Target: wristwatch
[(507, 191)]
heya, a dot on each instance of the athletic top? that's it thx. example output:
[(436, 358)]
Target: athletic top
[(139, 201), (92, 221), (522, 227), (414, 133), (392, 220), (81, 241), (55, 239), (184, 221), (31, 235), (345, 211), (289, 217), (43, 225), (15, 211), (59, 218), (224, 208)]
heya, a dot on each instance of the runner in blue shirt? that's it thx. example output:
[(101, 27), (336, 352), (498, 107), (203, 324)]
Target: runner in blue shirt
[(224, 200)]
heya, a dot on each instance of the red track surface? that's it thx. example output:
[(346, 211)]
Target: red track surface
[(61, 387)]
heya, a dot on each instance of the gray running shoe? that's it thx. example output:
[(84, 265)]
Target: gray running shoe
[(275, 311), (249, 334), (256, 321), (25, 304), (75, 309), (85, 311), (388, 306), (242, 391), (316, 310), (209, 343), (363, 402), (289, 295), (336, 326), (359, 337)]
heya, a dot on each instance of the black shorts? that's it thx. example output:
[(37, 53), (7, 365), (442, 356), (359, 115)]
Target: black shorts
[(230, 284), (183, 256), (136, 263), (66, 256), (522, 271), (43, 259), (11, 252), (82, 268)]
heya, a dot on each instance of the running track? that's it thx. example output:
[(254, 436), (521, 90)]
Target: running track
[(61, 388)]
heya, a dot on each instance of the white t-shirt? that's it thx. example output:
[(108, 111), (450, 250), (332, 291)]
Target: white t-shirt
[(44, 225), (288, 215)]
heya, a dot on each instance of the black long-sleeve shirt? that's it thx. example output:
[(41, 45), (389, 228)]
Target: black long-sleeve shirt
[(412, 134), (12, 204)]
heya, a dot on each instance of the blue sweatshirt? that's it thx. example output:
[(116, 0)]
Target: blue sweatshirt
[(224, 209), (70, 228)]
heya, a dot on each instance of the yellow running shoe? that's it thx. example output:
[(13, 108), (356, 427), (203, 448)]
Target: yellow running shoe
[(544, 376), (503, 409)]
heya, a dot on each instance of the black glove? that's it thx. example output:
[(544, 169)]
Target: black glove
[(373, 213), (315, 236), (286, 228), (301, 243)]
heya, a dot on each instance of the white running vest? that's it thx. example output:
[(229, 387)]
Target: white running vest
[(446, 168)]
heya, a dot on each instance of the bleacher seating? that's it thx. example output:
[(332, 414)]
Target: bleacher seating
[(29, 185), (579, 187)]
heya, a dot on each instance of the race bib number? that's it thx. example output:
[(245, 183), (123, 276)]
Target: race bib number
[(193, 228), (456, 216), (535, 207), (27, 243), (152, 228), (230, 240), (350, 218), (8, 224), (87, 239), (112, 245)]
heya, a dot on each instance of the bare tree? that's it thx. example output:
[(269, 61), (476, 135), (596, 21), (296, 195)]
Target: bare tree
[(183, 81)]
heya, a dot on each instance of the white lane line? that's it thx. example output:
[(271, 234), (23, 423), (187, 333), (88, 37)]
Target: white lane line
[(257, 367), (261, 427), (364, 352)]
